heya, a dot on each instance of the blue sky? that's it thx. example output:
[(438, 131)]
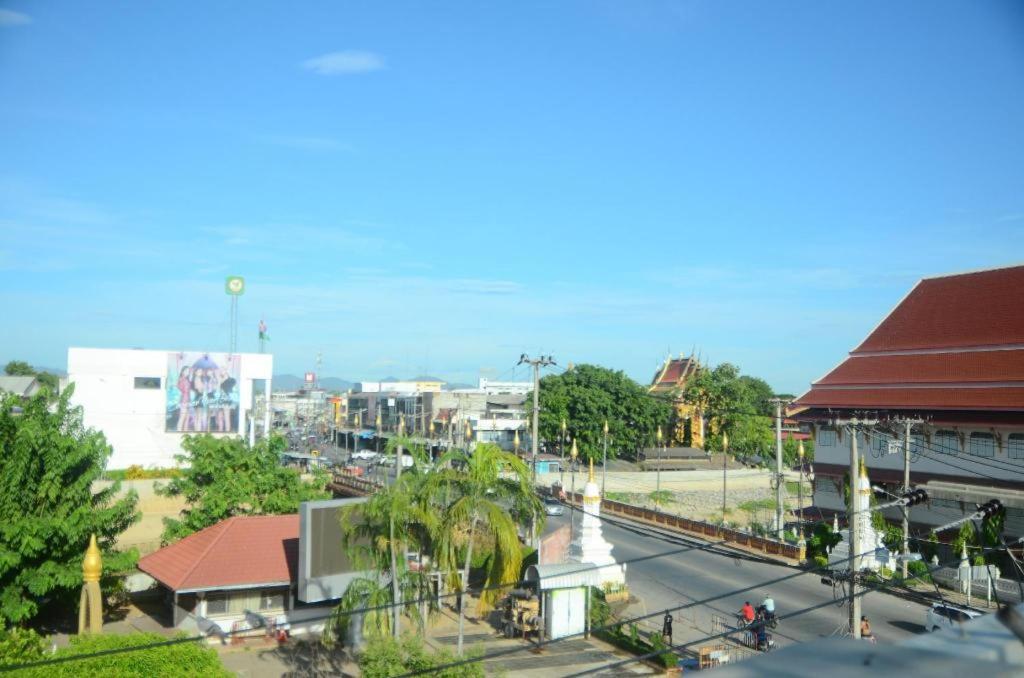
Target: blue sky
[(437, 187)]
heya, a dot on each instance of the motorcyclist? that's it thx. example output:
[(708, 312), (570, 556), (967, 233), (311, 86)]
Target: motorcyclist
[(748, 612)]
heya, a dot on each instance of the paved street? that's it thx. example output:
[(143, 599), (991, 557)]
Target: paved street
[(695, 575)]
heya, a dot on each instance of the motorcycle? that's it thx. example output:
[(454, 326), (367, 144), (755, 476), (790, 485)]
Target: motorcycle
[(769, 618)]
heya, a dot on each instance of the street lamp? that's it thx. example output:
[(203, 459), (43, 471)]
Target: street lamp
[(359, 426), (725, 460), (432, 431), (561, 454), (800, 490), (398, 447), (572, 505), (658, 489), (604, 462)]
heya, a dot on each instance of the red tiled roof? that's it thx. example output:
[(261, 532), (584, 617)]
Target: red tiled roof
[(674, 373), (237, 551), (968, 309), (981, 366), (910, 398), (954, 343)]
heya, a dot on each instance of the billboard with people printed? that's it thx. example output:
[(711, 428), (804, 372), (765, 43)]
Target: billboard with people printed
[(202, 392)]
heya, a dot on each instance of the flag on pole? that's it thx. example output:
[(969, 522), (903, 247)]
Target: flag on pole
[(263, 331)]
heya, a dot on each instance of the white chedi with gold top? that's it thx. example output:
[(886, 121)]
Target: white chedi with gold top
[(873, 553), (589, 545)]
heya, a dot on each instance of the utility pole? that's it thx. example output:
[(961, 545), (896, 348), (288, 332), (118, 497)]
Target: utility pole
[(907, 423), (537, 363), (779, 481), (658, 488), (853, 426), (398, 448), (854, 601)]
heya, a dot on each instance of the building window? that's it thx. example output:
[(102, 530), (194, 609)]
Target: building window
[(272, 600), (917, 444), (216, 604), (947, 442), (149, 383), (1015, 446), (983, 445), (827, 437)]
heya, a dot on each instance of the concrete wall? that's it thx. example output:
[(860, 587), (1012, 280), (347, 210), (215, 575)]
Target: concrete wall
[(134, 420)]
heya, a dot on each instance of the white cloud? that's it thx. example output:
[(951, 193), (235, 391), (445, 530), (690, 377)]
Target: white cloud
[(12, 18), (344, 63)]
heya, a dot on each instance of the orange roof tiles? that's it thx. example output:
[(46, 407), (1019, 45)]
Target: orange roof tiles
[(234, 552)]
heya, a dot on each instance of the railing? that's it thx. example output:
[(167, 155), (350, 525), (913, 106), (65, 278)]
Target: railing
[(353, 486), (765, 545)]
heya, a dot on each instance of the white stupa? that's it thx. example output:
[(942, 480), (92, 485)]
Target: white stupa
[(589, 545), (868, 537)]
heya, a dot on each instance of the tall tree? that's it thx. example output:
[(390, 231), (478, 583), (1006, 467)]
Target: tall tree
[(487, 489), (48, 507), (19, 368), (735, 403), (587, 396), (223, 477)]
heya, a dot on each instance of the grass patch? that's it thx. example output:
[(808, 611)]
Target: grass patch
[(755, 504), (793, 488)]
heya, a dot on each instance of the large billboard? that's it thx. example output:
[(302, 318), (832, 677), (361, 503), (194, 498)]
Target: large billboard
[(325, 570), (202, 392)]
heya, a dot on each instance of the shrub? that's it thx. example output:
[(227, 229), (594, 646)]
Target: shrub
[(820, 561), (18, 646), (669, 659), (387, 657), (918, 569), (191, 657), (600, 612)]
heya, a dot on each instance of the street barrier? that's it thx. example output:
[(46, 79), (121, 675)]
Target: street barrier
[(753, 542)]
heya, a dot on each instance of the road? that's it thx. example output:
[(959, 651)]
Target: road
[(698, 575)]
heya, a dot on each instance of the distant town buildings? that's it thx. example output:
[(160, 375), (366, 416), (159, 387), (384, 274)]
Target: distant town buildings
[(950, 360)]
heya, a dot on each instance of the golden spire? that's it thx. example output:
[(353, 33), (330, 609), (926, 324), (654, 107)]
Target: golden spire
[(575, 453), (92, 566), (515, 441), (591, 470)]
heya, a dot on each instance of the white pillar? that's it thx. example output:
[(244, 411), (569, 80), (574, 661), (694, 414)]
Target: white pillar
[(266, 406)]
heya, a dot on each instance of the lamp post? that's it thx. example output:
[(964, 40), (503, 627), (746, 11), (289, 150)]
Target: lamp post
[(398, 447), (432, 431), (800, 490), (561, 454), (725, 462), (658, 489), (359, 426), (572, 505), (604, 462)]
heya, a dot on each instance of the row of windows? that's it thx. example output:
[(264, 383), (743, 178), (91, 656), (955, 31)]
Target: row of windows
[(240, 601), (978, 444)]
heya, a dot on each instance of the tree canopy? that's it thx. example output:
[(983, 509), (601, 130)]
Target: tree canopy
[(20, 368), (587, 396), (48, 507), (223, 477)]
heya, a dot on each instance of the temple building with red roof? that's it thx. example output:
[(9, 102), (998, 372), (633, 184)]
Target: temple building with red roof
[(670, 380), (949, 357)]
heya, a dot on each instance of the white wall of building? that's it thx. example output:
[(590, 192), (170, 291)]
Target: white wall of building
[(134, 420)]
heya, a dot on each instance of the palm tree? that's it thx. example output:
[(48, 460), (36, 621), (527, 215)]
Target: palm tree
[(376, 534), (490, 492)]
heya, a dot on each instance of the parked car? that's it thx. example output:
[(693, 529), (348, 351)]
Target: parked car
[(365, 455), (553, 508), (943, 616)]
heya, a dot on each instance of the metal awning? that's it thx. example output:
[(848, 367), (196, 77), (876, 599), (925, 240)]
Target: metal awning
[(564, 575)]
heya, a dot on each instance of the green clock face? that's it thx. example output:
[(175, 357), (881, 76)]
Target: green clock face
[(234, 285)]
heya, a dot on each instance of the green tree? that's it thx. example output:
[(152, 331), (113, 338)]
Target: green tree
[(790, 451), (20, 646), (185, 658), (737, 404), (587, 396), (19, 368), (48, 509), (489, 491), (223, 477)]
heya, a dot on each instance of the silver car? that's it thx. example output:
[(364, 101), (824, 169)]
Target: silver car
[(553, 508), (940, 616)]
